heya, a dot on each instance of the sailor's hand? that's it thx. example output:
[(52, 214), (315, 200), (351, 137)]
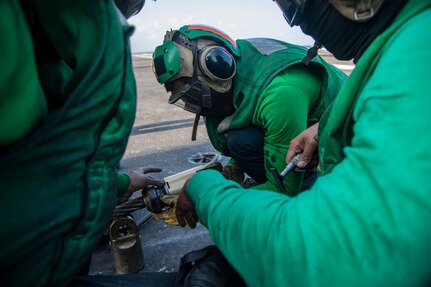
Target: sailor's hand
[(140, 180), (306, 144), (233, 172), (185, 209)]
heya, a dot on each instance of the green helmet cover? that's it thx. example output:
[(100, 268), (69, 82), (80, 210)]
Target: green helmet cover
[(167, 58), (166, 62), (204, 31)]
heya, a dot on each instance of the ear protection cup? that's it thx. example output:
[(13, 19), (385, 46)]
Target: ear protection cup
[(217, 63)]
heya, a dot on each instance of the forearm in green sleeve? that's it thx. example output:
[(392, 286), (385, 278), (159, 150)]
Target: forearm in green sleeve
[(235, 219), (272, 239), (362, 224), (123, 183)]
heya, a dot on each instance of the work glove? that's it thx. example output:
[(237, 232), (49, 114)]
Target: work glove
[(233, 172), (140, 179)]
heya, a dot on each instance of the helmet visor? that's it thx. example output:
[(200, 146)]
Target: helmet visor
[(359, 11), (130, 8), (292, 10)]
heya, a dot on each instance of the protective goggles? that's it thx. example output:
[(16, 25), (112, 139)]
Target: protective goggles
[(292, 10), (192, 97)]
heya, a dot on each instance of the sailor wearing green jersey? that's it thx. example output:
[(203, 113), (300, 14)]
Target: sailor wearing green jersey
[(255, 94), (365, 222)]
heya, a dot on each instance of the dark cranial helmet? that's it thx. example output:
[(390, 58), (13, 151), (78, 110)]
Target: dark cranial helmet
[(130, 8), (292, 10), (355, 10)]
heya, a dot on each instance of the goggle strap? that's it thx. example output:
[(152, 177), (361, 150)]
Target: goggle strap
[(206, 101), (206, 96), (311, 53), (195, 60), (195, 127)]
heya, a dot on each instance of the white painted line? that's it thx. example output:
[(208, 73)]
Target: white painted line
[(345, 67), (145, 56)]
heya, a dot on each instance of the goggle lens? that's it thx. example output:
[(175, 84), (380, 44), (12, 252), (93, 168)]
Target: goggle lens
[(291, 11)]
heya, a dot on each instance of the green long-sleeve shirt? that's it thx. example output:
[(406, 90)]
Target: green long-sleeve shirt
[(366, 223), (282, 96), (282, 112)]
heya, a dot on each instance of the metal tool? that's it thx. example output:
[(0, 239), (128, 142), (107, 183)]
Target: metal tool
[(126, 245), (279, 177), (151, 195), (123, 231)]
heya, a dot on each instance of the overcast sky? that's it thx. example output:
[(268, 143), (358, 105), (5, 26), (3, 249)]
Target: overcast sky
[(238, 18)]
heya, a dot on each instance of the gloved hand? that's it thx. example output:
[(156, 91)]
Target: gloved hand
[(139, 180), (168, 215), (233, 172)]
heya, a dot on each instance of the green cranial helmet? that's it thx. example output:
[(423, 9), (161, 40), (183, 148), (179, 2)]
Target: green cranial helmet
[(214, 52), (357, 10)]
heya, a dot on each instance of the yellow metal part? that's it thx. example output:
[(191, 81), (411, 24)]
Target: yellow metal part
[(126, 245)]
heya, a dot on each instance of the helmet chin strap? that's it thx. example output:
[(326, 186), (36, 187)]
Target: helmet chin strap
[(195, 127), (205, 90), (364, 10)]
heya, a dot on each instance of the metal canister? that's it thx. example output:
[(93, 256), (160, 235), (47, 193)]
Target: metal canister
[(126, 245)]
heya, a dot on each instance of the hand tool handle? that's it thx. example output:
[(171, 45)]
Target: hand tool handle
[(291, 165)]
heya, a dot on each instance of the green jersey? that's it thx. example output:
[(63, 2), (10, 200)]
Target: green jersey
[(67, 106), (274, 90)]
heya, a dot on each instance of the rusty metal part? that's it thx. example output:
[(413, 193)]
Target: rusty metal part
[(150, 198), (152, 195), (126, 245), (128, 207)]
